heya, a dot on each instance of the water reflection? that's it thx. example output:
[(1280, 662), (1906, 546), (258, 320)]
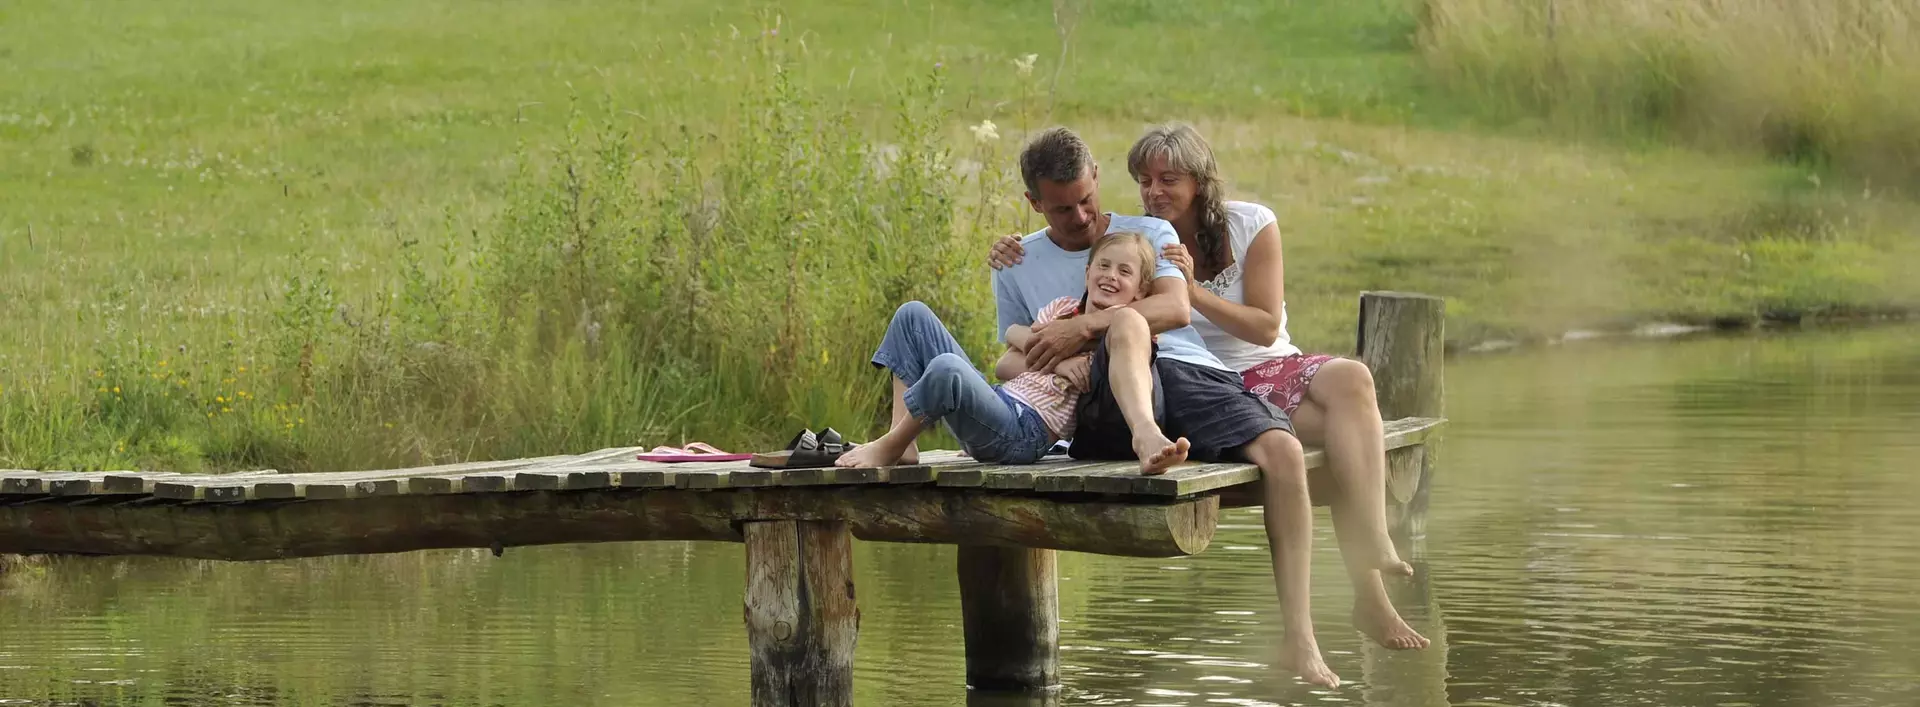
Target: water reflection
[(1715, 522)]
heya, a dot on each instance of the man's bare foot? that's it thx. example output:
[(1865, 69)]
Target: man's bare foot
[(1385, 627), (1158, 454), (880, 452), (1303, 658)]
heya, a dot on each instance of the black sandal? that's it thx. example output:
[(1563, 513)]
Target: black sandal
[(806, 451)]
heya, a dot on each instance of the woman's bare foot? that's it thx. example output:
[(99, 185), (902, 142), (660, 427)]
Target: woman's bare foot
[(1302, 656), (1158, 454), (1385, 627), (1388, 561)]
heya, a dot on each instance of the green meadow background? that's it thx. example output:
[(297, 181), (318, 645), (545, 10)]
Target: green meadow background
[(324, 236)]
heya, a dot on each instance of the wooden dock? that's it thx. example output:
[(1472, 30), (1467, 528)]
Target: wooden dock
[(797, 525)]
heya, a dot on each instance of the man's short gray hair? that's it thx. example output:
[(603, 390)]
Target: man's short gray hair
[(1056, 155)]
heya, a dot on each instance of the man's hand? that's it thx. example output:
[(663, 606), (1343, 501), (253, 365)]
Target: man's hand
[(1078, 371), (1007, 252), (1053, 342)]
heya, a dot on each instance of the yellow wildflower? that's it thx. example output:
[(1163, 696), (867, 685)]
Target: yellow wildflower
[(243, 369), (116, 389), (226, 409)]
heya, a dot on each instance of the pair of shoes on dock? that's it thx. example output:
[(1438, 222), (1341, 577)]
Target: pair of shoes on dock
[(805, 451)]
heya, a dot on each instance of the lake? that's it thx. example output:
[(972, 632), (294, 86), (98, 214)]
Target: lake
[(1717, 521)]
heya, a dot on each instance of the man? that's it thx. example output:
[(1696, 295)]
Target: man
[(1199, 398)]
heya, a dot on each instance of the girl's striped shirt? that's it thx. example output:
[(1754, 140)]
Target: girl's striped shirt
[(1047, 393)]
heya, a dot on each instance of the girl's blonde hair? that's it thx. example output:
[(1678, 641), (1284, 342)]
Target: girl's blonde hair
[(1187, 152), (1140, 247)]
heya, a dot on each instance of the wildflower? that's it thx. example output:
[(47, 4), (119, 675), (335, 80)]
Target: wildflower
[(985, 132), (219, 398), (1025, 64), (226, 409), (209, 416), (243, 394), (103, 389), (116, 390), (243, 369), (227, 380)]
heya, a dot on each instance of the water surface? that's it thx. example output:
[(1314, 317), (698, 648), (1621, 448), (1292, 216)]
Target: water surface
[(1726, 521)]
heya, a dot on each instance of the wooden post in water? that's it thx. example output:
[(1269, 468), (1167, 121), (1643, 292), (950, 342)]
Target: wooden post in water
[(1402, 339), (1010, 608), (801, 618)]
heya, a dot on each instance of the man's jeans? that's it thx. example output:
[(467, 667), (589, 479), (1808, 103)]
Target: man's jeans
[(942, 386)]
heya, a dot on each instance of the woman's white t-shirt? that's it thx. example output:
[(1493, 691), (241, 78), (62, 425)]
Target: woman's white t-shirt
[(1244, 221)]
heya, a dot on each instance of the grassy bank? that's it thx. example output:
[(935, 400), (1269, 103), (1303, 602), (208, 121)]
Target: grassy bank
[(1825, 83), (383, 233)]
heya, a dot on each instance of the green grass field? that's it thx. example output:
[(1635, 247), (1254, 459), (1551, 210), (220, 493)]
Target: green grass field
[(279, 234)]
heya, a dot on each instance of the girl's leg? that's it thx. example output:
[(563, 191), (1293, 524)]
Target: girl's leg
[(952, 391), (1129, 373), (913, 339)]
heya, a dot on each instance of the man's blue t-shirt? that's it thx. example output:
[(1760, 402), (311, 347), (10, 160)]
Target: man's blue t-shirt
[(1048, 273)]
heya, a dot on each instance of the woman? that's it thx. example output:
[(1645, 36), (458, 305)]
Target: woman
[(1231, 254)]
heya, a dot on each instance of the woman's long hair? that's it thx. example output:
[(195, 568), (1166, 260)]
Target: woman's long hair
[(1187, 152)]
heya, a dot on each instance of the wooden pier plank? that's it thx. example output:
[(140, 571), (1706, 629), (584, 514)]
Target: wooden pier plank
[(615, 468)]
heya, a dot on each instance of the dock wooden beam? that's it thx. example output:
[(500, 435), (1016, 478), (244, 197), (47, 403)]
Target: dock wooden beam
[(1402, 338), (802, 621), (1010, 612)]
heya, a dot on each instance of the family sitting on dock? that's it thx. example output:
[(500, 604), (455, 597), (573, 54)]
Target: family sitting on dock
[(1162, 338)]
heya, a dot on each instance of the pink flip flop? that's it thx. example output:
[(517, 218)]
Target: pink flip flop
[(695, 452)]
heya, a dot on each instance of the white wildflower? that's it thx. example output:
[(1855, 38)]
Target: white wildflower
[(985, 132), (1025, 64)]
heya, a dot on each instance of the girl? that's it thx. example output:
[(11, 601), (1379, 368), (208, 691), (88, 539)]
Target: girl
[(1017, 423)]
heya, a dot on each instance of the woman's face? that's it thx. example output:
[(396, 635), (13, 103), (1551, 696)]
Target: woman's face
[(1113, 278), (1165, 192)]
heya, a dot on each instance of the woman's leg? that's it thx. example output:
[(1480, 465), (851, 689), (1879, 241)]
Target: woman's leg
[(913, 339), (1129, 374), (1340, 415)]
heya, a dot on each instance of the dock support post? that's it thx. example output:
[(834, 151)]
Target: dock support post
[(1010, 607), (802, 621), (1402, 339)]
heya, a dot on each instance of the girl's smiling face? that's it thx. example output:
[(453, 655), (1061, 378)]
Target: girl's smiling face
[(1115, 277)]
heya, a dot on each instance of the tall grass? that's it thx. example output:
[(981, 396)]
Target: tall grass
[(1824, 82), (652, 279)]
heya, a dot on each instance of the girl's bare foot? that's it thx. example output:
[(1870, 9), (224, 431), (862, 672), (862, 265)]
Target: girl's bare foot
[(1384, 625), (1158, 454), (1302, 656)]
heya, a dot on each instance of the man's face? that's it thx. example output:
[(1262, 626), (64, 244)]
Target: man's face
[(1072, 209)]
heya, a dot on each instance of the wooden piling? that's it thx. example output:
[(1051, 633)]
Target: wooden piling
[(802, 621), (1402, 339), (1010, 610)]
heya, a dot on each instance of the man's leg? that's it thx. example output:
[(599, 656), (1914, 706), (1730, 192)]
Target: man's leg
[(913, 339), (1130, 374), (1288, 514)]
